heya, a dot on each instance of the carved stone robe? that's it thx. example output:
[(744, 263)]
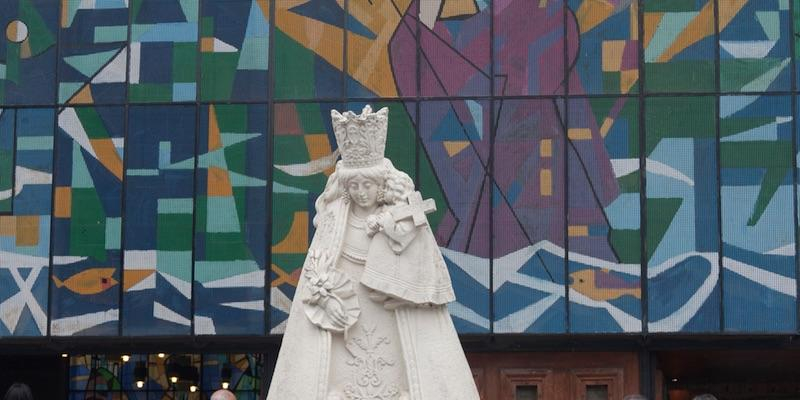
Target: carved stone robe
[(428, 354), (405, 262)]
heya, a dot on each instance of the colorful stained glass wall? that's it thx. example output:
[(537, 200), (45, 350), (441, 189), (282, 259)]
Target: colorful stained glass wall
[(94, 376), (230, 246), (25, 231), (87, 221), (598, 166)]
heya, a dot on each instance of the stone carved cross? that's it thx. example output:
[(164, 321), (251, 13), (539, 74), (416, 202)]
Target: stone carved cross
[(416, 208)]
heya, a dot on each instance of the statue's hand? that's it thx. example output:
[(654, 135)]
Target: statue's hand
[(373, 225), (336, 312), (330, 301)]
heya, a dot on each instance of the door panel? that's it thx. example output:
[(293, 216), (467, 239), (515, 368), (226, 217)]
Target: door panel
[(526, 383), (597, 384), (555, 376)]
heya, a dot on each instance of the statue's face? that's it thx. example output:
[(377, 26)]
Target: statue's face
[(363, 192), (395, 193)]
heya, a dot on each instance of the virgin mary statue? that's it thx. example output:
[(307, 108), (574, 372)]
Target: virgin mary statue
[(346, 340)]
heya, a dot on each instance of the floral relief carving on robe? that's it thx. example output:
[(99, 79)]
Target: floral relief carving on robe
[(370, 368)]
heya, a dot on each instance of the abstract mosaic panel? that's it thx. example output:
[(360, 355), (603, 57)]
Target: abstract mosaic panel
[(758, 235), (163, 51), (246, 374), (92, 376), (158, 385), (607, 43), (98, 375), (754, 41), (796, 26), (528, 217), (530, 61), (159, 214), (25, 235), (231, 220), (680, 47), (93, 51), (604, 215), (309, 48), (303, 158), (126, 377), (6, 159), (454, 157), (719, 179), (381, 49), (682, 214), (87, 222), (234, 45), (28, 51), (455, 48)]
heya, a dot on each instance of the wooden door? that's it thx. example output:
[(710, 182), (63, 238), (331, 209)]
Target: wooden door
[(555, 376)]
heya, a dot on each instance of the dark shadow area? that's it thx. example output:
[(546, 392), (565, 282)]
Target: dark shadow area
[(731, 375), (46, 375)]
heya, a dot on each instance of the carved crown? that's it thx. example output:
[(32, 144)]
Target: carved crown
[(361, 138)]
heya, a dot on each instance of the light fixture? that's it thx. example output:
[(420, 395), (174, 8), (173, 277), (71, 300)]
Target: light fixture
[(140, 374), (64, 355), (172, 370), (192, 375), (226, 375), (125, 358), (161, 355), (674, 379), (179, 368)]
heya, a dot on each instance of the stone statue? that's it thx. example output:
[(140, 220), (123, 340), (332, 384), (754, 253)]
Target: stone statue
[(368, 320)]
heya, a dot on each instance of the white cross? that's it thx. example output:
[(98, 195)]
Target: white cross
[(416, 208), (11, 308)]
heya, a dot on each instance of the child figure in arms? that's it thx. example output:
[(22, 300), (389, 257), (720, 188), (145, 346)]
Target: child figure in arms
[(404, 265)]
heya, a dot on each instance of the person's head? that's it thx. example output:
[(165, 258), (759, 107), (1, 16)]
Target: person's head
[(18, 391), (363, 191), (223, 394), (340, 183), (398, 186), (376, 173)]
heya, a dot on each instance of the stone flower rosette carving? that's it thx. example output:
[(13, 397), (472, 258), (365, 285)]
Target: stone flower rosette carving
[(331, 302)]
